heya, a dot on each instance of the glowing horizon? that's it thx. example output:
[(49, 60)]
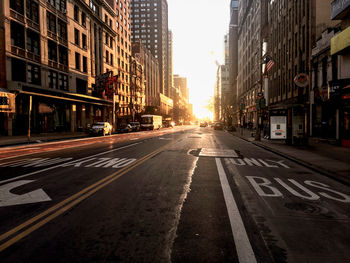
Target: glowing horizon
[(198, 42)]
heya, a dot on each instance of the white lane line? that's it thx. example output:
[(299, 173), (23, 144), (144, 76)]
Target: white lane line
[(243, 247), (60, 165)]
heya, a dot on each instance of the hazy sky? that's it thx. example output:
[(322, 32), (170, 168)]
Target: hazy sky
[(198, 28)]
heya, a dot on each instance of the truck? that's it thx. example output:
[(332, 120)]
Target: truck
[(151, 122)]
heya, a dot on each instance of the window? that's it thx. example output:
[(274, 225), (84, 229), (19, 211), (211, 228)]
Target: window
[(63, 55), (33, 74), (33, 42), (111, 42), (77, 61), (51, 22), (17, 5), (18, 70), (111, 60), (107, 39), (107, 57), (63, 82), (62, 29), (76, 37), (85, 64), (76, 13), (17, 35), (83, 19), (83, 39), (52, 76), (61, 5), (52, 50), (32, 11), (81, 86), (93, 7)]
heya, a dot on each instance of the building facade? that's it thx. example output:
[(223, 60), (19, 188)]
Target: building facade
[(55, 50), (339, 89), (233, 60), (252, 21), (217, 97), (151, 74), (150, 25), (137, 88), (294, 29), (181, 99)]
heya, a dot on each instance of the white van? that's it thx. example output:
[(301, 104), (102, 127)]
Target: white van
[(151, 122)]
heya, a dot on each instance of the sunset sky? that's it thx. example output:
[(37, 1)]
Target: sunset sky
[(198, 27)]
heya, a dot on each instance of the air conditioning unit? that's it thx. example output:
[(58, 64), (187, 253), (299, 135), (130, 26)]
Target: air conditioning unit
[(64, 11)]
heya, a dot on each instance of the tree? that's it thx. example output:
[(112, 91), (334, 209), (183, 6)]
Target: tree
[(210, 104)]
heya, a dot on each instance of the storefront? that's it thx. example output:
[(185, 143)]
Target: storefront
[(57, 112), (7, 109)]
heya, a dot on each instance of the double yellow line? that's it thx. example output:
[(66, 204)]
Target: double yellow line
[(43, 218)]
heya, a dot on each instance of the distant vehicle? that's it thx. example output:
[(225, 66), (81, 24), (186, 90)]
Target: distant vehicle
[(203, 124), (168, 123), (101, 128), (218, 126), (151, 122), (135, 126), (126, 128)]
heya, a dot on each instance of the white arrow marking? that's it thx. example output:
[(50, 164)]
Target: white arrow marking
[(8, 199)]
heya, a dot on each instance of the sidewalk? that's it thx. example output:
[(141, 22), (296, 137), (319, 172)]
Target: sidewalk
[(322, 157), (38, 138)]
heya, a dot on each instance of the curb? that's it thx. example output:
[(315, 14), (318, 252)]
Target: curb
[(337, 177)]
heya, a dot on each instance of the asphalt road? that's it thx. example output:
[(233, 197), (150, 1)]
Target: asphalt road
[(176, 195)]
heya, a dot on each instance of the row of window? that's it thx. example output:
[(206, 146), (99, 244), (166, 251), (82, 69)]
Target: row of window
[(145, 20), (78, 66), (77, 18), (56, 25), (143, 15), (143, 4), (31, 73), (77, 39)]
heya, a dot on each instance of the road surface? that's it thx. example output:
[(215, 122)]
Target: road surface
[(187, 194)]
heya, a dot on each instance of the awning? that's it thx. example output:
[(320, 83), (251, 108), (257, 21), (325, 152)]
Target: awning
[(74, 98), (340, 41), (7, 101)]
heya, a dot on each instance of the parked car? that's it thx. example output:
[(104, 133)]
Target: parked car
[(101, 128), (203, 124), (135, 126), (218, 126), (126, 128)]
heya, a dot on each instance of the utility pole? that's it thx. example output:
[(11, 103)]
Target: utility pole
[(29, 115)]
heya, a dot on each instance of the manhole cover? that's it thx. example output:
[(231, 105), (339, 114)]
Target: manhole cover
[(209, 152)]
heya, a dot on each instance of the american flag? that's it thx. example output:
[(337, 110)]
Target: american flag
[(269, 64)]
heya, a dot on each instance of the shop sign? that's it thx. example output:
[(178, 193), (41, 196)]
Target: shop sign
[(7, 102), (278, 127), (301, 80)]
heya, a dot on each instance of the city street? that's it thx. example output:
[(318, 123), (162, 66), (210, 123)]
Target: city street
[(186, 194)]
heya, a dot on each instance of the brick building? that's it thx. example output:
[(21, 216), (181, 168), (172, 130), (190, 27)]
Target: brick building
[(54, 50)]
